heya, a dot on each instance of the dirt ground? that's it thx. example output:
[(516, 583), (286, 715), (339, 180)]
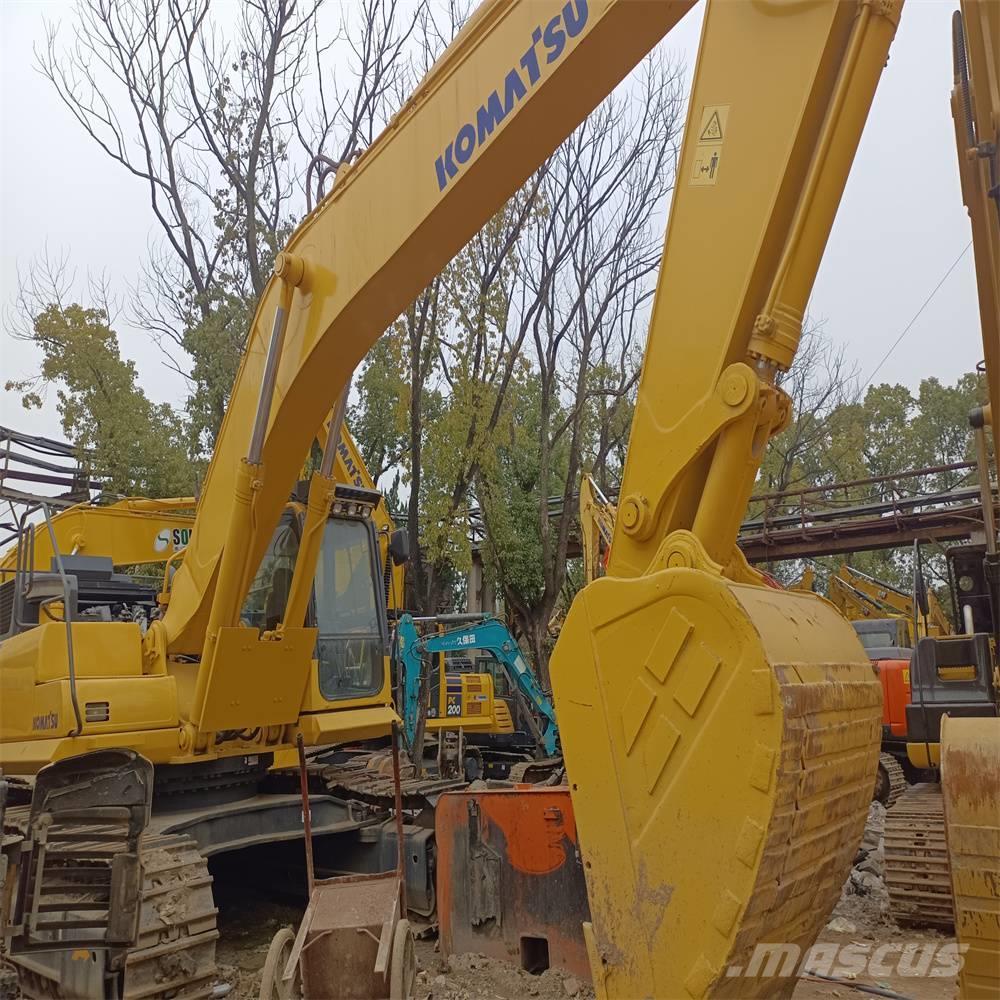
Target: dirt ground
[(860, 919)]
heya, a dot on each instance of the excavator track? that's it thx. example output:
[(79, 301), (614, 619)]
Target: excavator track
[(534, 772), (916, 859), (174, 956), (890, 781)]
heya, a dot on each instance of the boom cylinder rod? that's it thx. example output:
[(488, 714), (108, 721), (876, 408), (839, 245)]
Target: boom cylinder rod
[(335, 433), (322, 488), (274, 347)]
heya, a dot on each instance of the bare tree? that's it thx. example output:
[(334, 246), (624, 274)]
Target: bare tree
[(218, 111), (587, 268)]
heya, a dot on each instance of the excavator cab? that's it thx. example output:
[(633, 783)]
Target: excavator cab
[(955, 675), (348, 605)]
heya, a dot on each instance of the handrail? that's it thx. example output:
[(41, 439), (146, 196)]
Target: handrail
[(67, 618), (25, 568)]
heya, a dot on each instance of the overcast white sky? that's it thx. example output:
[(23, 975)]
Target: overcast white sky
[(901, 223)]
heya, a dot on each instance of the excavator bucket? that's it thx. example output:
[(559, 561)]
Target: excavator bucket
[(970, 781), (721, 742)]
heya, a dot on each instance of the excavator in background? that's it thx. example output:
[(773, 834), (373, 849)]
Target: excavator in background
[(948, 679), (886, 620), (597, 528), (681, 654), (863, 598), (472, 677), (942, 860)]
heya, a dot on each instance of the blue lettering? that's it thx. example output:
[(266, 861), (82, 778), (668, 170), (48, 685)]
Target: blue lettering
[(465, 143), (446, 169), (489, 116), (555, 39), (491, 113), (513, 90), (529, 61), (574, 25)]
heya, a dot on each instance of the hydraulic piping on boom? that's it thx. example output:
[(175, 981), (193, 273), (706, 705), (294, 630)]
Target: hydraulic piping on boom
[(490, 636)]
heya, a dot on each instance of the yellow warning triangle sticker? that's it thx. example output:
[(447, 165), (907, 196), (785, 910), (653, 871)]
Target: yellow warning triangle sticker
[(712, 132)]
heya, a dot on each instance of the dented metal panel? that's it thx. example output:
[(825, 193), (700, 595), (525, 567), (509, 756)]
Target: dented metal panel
[(510, 878)]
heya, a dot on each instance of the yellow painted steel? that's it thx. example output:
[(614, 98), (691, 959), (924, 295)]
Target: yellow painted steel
[(981, 30), (344, 725), (597, 527), (970, 748), (720, 772), (740, 258), (859, 596), (130, 531), (245, 683), (386, 228), (970, 777), (720, 735), (698, 706), (479, 709), (140, 530)]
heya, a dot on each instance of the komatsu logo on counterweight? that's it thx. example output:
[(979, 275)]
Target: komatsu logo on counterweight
[(48, 721), (568, 23)]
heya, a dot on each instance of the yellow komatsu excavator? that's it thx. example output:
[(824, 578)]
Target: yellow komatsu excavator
[(861, 597), (720, 736), (597, 528)]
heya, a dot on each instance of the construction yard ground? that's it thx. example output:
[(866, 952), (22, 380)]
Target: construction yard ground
[(860, 923)]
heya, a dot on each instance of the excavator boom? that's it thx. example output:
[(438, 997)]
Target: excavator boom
[(720, 736), (514, 83)]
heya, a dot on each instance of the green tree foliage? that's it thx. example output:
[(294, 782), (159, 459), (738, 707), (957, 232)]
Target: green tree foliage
[(214, 341), (138, 445)]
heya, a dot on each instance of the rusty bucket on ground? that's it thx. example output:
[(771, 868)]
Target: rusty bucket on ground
[(354, 940)]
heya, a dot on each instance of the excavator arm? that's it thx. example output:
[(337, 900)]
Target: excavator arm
[(514, 83), (695, 704), (129, 532)]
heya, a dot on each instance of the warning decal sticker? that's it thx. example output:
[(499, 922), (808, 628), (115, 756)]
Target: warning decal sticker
[(708, 151)]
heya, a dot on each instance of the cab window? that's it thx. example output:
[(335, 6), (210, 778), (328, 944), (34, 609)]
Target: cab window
[(350, 648), (265, 604)]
